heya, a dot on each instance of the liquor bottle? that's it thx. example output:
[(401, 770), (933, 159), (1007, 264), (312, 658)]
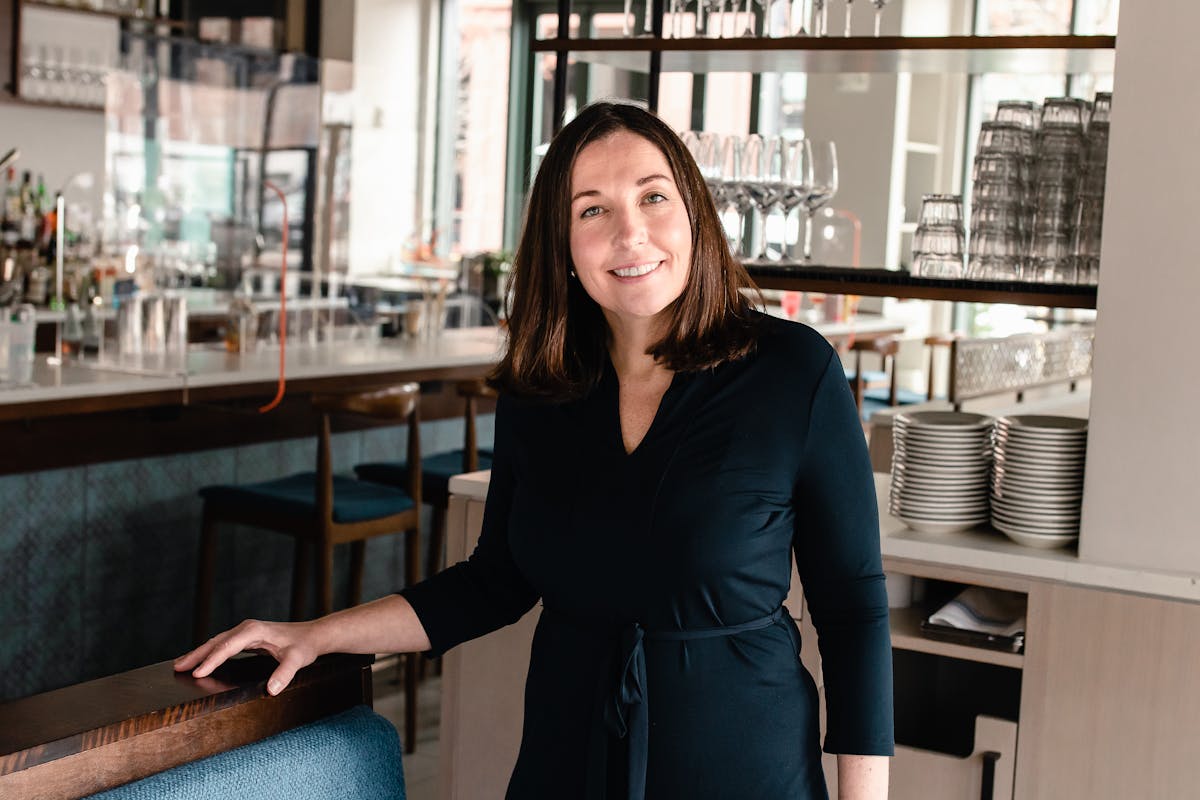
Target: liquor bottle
[(12, 198), (28, 219)]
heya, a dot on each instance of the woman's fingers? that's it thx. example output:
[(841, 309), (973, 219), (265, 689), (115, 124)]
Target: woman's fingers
[(189, 660), (291, 662), (248, 635), (283, 641)]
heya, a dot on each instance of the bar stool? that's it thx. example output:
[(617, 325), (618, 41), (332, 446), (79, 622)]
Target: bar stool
[(321, 510), (437, 469), (870, 400)]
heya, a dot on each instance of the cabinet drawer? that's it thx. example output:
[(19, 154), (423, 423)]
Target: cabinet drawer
[(927, 775)]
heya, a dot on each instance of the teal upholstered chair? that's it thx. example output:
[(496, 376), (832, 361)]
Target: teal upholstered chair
[(438, 468), (322, 510)]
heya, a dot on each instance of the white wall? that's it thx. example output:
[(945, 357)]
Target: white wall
[(1142, 490), (57, 143)]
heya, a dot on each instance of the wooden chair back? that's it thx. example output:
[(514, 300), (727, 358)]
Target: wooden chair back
[(886, 347), (401, 402)]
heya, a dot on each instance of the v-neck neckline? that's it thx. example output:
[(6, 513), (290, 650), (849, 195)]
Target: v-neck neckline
[(613, 402)]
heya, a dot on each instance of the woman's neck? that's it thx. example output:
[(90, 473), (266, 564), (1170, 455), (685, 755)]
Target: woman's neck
[(628, 342)]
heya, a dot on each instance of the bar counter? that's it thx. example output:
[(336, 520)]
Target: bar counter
[(210, 373)]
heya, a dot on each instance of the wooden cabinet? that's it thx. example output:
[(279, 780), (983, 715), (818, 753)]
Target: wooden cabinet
[(483, 687), (1110, 705)]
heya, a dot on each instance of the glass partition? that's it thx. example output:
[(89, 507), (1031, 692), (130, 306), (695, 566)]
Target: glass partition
[(208, 148)]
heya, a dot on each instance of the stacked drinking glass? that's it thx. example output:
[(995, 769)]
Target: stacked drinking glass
[(999, 210), (1038, 194), (1055, 184), (1090, 202), (938, 240)]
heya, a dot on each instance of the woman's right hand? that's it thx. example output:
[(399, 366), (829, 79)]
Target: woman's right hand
[(292, 644)]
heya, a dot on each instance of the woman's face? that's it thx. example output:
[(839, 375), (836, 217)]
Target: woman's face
[(631, 239)]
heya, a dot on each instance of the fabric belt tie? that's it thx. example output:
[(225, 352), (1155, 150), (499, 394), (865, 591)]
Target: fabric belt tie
[(622, 697)]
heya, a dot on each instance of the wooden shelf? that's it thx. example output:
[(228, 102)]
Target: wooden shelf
[(906, 635), (899, 283), (835, 54), (174, 23)]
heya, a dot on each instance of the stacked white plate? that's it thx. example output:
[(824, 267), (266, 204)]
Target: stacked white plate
[(1037, 479), (940, 470)]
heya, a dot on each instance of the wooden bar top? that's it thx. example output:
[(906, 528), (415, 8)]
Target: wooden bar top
[(92, 736)]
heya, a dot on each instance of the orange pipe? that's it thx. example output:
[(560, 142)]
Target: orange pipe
[(282, 305)]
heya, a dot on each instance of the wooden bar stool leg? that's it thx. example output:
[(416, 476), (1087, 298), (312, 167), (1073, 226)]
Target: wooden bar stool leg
[(325, 576), (301, 564), (437, 541), (205, 576), (358, 557)]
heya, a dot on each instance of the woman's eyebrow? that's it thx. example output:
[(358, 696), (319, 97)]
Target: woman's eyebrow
[(658, 176)]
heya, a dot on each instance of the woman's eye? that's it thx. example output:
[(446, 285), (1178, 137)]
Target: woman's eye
[(656, 197), (590, 211)]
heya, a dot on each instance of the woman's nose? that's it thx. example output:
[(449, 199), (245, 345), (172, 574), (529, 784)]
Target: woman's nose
[(631, 228)]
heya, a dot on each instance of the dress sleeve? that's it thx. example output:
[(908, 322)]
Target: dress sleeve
[(838, 558), (487, 591)]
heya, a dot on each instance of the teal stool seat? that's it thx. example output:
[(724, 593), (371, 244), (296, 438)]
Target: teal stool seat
[(296, 495), (904, 397), (436, 471), (869, 376)]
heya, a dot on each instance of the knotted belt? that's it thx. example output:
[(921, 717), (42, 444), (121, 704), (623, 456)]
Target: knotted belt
[(621, 697)]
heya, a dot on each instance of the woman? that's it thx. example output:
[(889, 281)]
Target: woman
[(661, 449)]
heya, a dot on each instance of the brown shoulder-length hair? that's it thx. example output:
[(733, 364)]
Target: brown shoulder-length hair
[(557, 334)]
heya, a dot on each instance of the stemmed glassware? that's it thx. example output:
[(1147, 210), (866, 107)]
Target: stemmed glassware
[(762, 180), (820, 11), (797, 183), (849, 8), (822, 174), (879, 4)]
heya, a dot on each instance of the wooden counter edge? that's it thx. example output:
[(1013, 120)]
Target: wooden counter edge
[(148, 741)]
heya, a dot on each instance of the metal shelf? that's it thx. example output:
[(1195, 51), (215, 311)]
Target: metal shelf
[(899, 283), (835, 54)]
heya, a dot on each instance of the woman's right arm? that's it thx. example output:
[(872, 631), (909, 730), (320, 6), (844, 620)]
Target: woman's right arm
[(467, 600), (386, 625)]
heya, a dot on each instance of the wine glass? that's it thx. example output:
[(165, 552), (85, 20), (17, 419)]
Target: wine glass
[(879, 4), (849, 8), (820, 11), (749, 18), (762, 180), (797, 182), (823, 184), (733, 194), (802, 12)]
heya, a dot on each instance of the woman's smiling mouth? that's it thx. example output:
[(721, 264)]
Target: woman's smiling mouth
[(637, 270)]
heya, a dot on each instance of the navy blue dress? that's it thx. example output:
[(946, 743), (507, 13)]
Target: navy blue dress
[(662, 666)]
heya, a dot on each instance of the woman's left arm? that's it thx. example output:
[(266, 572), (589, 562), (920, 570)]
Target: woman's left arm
[(862, 777), (838, 556)]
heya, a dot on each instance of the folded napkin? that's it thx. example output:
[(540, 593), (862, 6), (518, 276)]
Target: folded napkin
[(991, 611)]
